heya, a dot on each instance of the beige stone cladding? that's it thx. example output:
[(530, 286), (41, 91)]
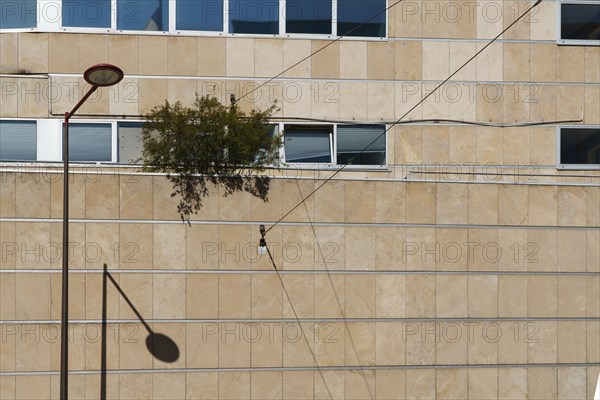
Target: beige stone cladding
[(448, 289)]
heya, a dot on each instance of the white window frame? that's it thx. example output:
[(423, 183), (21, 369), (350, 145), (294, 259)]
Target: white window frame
[(50, 135), (50, 138), (559, 165), (37, 134), (114, 138), (284, 163), (30, 29), (572, 42), (56, 25), (333, 148)]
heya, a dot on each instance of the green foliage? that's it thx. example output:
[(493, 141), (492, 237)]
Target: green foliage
[(209, 143)]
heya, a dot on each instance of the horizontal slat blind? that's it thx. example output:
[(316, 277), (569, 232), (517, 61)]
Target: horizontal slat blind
[(90, 142), (18, 140)]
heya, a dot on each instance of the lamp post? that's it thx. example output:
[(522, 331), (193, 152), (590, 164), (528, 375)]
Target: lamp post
[(100, 75)]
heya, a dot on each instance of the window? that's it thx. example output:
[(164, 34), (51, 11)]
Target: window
[(259, 17), (17, 14), (352, 18), (86, 13), (352, 13), (308, 16), (199, 15), (335, 144), (580, 22), (308, 143), (361, 144), (143, 15), (18, 140), (579, 147), (90, 142), (130, 145)]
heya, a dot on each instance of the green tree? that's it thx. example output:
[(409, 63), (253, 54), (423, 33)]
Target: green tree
[(209, 145)]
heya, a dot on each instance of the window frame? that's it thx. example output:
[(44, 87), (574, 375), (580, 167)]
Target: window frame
[(56, 25), (310, 165), (333, 148), (37, 138), (49, 144), (113, 142), (571, 42), (581, 167), (27, 29), (117, 136)]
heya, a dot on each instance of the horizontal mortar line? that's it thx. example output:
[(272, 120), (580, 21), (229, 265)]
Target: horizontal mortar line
[(509, 182), (531, 175), (126, 170), (295, 272), (284, 223), (322, 368), (302, 320), (336, 80), (477, 40)]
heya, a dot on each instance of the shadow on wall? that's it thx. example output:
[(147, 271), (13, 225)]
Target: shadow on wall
[(160, 346)]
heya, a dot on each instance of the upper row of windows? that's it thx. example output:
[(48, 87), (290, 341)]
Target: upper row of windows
[(579, 20), (359, 18)]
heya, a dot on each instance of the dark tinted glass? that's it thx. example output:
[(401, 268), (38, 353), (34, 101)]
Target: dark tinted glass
[(200, 15), (352, 13), (580, 146), (307, 144), (254, 16), (18, 140), (86, 13), (308, 16), (17, 14), (143, 15), (361, 144), (580, 21)]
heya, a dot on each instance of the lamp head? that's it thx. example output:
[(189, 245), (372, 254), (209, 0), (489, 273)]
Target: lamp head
[(103, 75), (262, 246)]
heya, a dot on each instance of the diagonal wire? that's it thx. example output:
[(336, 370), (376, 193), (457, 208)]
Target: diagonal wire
[(406, 113), (314, 357), (318, 51), (339, 303)]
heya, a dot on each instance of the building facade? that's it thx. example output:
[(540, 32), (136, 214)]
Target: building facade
[(457, 257)]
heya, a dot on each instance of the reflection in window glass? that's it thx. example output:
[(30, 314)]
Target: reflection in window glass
[(308, 16), (580, 21), (259, 17), (130, 144), (307, 144), (200, 15), (580, 146), (18, 140), (361, 144), (16, 14), (90, 142), (86, 13), (143, 15), (352, 13)]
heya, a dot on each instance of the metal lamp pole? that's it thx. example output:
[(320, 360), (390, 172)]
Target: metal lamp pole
[(100, 75)]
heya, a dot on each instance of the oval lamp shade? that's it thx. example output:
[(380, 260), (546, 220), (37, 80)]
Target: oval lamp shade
[(103, 75)]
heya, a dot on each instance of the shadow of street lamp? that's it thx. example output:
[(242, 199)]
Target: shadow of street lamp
[(100, 75), (159, 345)]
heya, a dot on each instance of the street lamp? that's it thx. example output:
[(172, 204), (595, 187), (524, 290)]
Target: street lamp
[(100, 75)]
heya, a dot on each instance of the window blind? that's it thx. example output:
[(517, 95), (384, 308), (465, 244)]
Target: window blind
[(18, 140)]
